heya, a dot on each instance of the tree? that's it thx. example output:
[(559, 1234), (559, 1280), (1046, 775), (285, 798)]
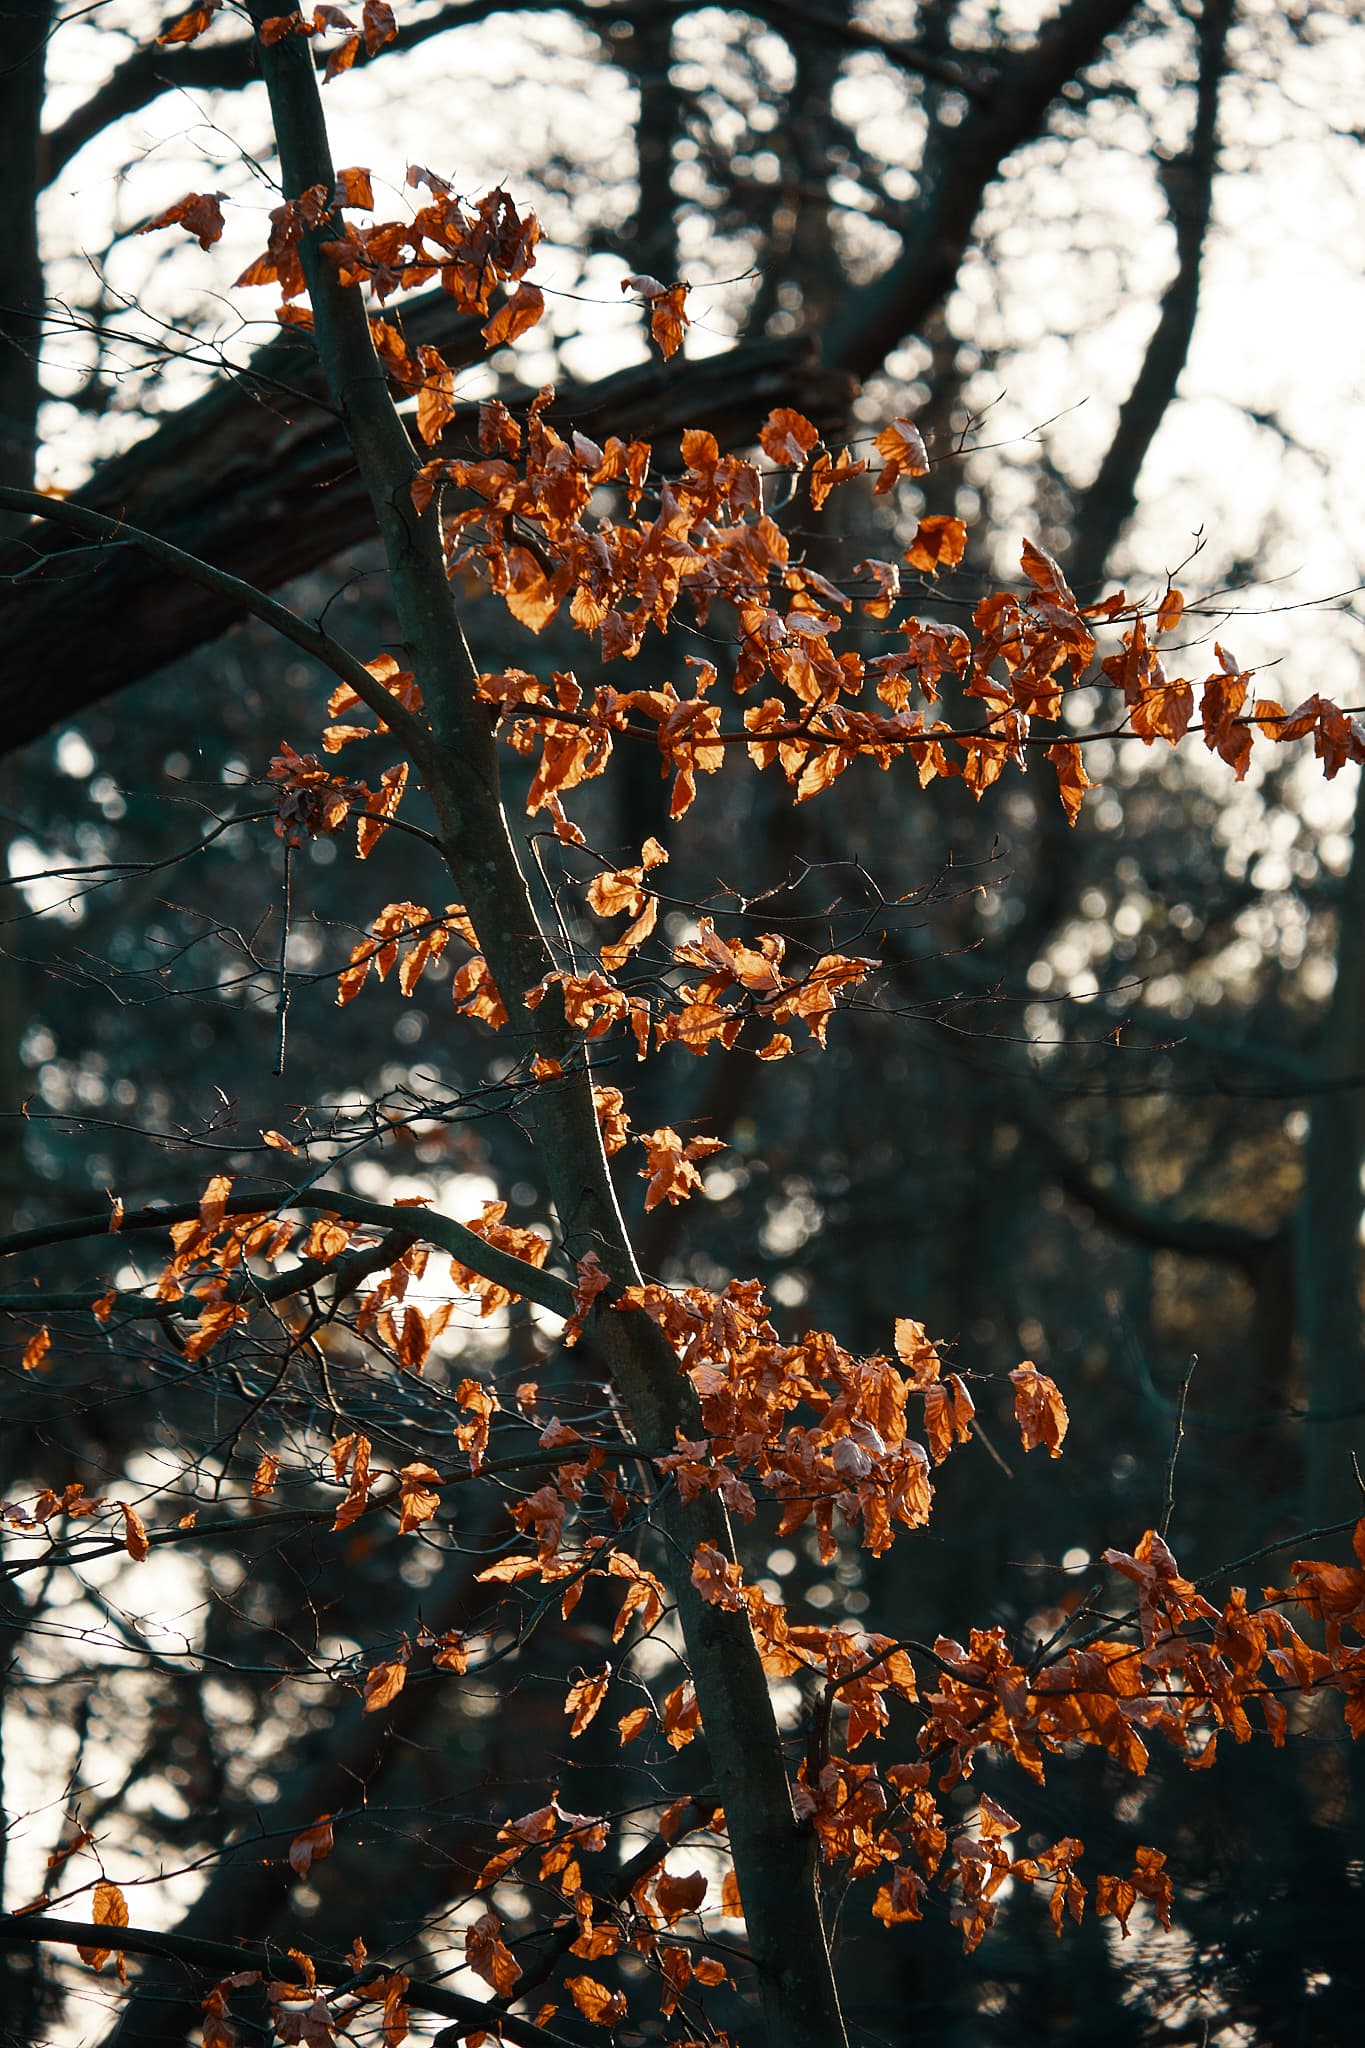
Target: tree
[(693, 1443)]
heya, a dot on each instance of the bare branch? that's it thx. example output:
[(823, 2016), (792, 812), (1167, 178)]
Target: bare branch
[(220, 1959)]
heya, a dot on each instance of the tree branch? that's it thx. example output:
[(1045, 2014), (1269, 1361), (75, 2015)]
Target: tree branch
[(241, 595), (774, 1862), (223, 1959), (1151, 1225), (411, 1225), (258, 476), (852, 35), (1102, 510), (878, 316), (226, 67)]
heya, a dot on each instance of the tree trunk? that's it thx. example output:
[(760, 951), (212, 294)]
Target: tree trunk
[(774, 1862), (1328, 1223)]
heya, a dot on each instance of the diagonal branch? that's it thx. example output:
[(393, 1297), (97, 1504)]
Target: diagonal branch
[(223, 1959), (234, 591), (257, 475), (905, 54), (410, 1225), (226, 67), (1103, 509), (878, 316)]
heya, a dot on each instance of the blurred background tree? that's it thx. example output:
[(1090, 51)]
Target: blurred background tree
[(1108, 1113)]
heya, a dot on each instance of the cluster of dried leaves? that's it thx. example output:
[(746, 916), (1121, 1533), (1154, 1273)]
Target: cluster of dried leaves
[(538, 535), (550, 524), (819, 1433), (708, 538)]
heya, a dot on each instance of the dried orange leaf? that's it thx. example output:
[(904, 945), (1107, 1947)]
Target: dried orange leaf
[(584, 1698), (675, 1896), (489, 1957), (199, 212), (939, 543), (37, 1348), (267, 1471), (605, 2008), (384, 1682), (108, 1909), (311, 1845), (1039, 1409), (522, 311), (134, 1542)]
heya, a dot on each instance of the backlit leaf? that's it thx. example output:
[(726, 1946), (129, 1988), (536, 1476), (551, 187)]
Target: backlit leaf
[(135, 1543), (384, 1682), (605, 2008), (488, 1955), (517, 315), (939, 543), (109, 1908), (199, 212), (311, 1845), (584, 1698), (1039, 1409)]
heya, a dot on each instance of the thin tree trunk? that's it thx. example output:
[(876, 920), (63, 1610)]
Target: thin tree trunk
[(26, 27), (775, 1863), (1328, 1223)]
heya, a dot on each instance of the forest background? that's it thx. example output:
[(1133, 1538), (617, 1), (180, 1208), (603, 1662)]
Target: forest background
[(1106, 1110)]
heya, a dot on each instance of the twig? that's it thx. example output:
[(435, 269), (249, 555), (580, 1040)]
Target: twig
[(1177, 1438), (225, 1958), (282, 1000)]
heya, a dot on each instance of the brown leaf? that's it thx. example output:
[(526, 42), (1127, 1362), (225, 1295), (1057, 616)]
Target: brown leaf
[(522, 311), (681, 1716), (436, 398), (354, 189), (190, 25), (358, 1497), (341, 59), (419, 1498), (1039, 1409), (450, 1652), (902, 452), (213, 1201), (109, 1909), (199, 212), (384, 1682), (787, 437), (1072, 780), (605, 2008), (939, 543), (489, 1957), (675, 1896), (671, 1172), (668, 321), (136, 1544), (584, 1698), (267, 1471), (37, 1348), (380, 26), (717, 1578), (310, 1846)]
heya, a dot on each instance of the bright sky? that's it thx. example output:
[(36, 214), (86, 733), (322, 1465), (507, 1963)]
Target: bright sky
[(1080, 247)]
